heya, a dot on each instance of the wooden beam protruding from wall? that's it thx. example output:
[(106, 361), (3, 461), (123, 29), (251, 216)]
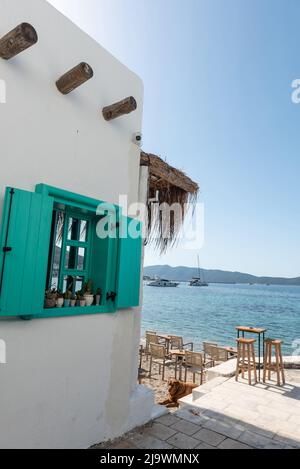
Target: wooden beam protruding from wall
[(17, 40), (75, 78), (126, 106)]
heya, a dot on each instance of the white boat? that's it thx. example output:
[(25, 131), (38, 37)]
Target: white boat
[(161, 282), (198, 281)]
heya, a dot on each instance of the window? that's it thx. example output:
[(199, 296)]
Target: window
[(70, 251), (49, 238)]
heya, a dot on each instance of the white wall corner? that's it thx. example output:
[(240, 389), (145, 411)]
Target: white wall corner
[(142, 408)]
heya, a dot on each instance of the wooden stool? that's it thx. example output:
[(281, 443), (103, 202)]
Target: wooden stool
[(246, 359), (278, 365)]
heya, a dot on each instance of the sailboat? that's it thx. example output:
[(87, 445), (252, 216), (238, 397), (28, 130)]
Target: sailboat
[(198, 281)]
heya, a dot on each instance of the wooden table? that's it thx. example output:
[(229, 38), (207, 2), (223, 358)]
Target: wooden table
[(230, 350), (167, 340), (254, 330)]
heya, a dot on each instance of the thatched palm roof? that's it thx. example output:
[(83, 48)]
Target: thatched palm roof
[(169, 186), (162, 174)]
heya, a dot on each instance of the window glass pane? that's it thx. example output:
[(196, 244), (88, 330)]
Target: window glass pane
[(71, 257), (60, 224), (83, 231), (73, 229), (69, 284), (67, 229), (81, 259), (79, 283), (55, 249), (54, 282)]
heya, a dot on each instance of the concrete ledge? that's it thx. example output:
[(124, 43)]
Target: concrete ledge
[(186, 401), (292, 362), (226, 370), (207, 387), (201, 391)]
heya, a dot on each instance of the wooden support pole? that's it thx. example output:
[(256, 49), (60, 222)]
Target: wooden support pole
[(126, 106), (17, 40), (75, 78)]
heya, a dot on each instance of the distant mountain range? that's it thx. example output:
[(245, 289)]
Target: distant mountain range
[(185, 274)]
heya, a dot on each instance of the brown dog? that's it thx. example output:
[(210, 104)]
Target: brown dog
[(177, 390)]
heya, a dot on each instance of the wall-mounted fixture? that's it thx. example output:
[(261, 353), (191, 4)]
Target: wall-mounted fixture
[(138, 139)]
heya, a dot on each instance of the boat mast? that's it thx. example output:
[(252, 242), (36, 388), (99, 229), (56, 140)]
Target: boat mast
[(199, 270)]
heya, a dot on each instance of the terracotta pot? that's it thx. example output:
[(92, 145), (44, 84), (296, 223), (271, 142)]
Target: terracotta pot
[(49, 303), (82, 303), (72, 303)]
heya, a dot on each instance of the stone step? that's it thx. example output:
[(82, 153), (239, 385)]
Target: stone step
[(201, 391), (226, 370), (207, 387), (186, 401)]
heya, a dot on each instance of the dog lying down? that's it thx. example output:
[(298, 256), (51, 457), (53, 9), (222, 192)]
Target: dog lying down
[(177, 390)]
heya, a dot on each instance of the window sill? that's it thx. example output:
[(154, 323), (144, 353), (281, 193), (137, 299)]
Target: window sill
[(75, 311)]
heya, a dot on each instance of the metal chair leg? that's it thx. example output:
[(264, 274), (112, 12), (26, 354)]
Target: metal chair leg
[(150, 369)]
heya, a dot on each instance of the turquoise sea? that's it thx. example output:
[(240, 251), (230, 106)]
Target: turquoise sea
[(212, 313)]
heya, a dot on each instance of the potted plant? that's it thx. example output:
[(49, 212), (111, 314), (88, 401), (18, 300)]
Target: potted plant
[(73, 301), (88, 293), (59, 300), (50, 299), (98, 296), (67, 298), (81, 301)]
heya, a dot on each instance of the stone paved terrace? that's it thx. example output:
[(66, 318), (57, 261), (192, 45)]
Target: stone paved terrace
[(227, 415)]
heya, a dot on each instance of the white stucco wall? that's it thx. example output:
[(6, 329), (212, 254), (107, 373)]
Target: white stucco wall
[(68, 382)]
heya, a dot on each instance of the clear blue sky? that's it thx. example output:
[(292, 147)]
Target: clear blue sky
[(217, 77)]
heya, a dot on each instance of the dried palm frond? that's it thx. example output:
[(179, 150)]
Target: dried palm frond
[(168, 188)]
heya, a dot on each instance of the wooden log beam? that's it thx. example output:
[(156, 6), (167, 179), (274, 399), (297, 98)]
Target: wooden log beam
[(17, 40), (126, 106), (162, 172), (75, 78)]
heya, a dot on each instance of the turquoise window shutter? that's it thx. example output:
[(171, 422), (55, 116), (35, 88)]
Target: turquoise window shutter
[(25, 238), (129, 268)]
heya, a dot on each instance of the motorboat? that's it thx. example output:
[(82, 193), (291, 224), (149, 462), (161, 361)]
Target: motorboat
[(161, 282)]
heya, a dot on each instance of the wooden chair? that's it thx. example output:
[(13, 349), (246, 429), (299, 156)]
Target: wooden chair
[(159, 356), (207, 349), (194, 363), (246, 359), (218, 355), (176, 342), (151, 338), (269, 366)]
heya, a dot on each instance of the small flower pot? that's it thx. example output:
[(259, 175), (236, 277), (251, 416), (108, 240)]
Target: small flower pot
[(72, 303), (67, 303), (98, 300), (59, 302), (89, 299), (49, 303), (82, 303)]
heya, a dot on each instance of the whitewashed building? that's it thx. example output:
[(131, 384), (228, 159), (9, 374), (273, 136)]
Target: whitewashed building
[(67, 156), (71, 373)]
